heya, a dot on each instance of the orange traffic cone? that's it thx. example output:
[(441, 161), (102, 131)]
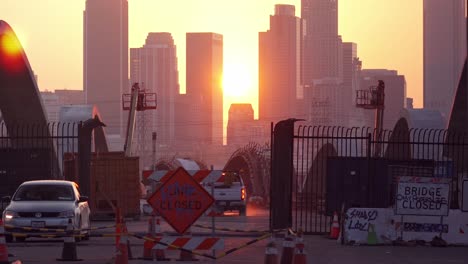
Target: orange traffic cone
[(148, 245), (288, 250), (69, 245), (3, 246), (148, 250), (271, 253), (118, 226), (129, 247), (121, 255), (300, 257), (335, 228)]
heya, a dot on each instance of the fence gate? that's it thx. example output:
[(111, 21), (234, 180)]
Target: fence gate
[(314, 149), (34, 152), (335, 168)]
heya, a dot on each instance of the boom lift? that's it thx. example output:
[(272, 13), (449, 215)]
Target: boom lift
[(374, 98), (137, 100)]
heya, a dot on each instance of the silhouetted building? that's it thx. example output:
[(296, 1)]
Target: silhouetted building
[(53, 101), (280, 66), (322, 44), (444, 52), (240, 124), (70, 97), (105, 62), (395, 93), (201, 122), (154, 67), (352, 115), (325, 106)]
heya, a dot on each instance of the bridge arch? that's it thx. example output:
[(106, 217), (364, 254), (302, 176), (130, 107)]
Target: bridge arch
[(253, 163)]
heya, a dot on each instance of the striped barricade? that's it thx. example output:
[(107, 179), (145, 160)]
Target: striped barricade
[(201, 176), (189, 243)]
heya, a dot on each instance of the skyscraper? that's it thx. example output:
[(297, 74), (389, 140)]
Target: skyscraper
[(280, 66), (352, 115), (154, 66), (240, 124), (105, 62), (204, 69), (444, 52), (322, 44)]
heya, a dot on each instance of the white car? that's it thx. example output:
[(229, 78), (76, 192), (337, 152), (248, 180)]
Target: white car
[(46, 204)]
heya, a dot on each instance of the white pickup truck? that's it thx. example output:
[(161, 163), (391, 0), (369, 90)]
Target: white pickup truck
[(229, 194)]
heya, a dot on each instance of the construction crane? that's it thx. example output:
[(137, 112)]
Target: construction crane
[(137, 100), (374, 98)]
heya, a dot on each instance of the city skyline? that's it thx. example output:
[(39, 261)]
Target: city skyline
[(444, 30), (241, 37)]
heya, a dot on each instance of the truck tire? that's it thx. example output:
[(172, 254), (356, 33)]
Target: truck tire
[(243, 211)]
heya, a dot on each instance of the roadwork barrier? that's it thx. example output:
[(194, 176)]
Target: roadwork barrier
[(194, 252)]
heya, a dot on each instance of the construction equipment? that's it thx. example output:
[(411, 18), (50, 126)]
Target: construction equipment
[(137, 100), (374, 98)]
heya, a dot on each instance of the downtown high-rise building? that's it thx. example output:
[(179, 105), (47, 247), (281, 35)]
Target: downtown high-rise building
[(351, 115), (154, 67), (322, 44), (240, 128), (200, 115), (105, 61), (444, 52), (280, 66)]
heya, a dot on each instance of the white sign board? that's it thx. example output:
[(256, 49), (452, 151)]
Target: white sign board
[(422, 198), (388, 227), (465, 196)]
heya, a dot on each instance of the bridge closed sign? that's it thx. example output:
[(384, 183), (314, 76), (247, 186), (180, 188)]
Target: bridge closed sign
[(422, 198), (181, 200)]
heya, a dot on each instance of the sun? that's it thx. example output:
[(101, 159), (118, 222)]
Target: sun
[(236, 80)]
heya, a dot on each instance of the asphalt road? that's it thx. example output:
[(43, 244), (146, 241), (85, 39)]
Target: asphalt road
[(319, 249)]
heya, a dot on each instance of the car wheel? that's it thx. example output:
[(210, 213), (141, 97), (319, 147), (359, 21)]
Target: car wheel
[(243, 211), (8, 238)]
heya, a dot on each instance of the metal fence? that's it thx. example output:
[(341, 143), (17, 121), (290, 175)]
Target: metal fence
[(336, 168), (33, 151)]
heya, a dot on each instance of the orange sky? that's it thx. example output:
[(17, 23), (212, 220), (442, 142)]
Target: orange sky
[(388, 34)]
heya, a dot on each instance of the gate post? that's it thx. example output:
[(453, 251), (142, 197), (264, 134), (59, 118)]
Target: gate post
[(282, 174), (84, 153)]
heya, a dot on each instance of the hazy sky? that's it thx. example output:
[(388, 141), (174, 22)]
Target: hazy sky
[(388, 34)]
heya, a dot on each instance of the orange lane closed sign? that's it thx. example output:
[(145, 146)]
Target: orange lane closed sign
[(181, 200)]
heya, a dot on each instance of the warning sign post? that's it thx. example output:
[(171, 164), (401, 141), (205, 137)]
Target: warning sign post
[(181, 200)]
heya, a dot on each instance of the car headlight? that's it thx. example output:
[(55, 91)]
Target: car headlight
[(10, 215), (67, 214)]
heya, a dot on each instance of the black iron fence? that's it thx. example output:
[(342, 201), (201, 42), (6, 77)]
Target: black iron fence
[(337, 168), (32, 151)]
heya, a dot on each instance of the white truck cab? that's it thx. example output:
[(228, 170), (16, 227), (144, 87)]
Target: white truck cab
[(229, 194)]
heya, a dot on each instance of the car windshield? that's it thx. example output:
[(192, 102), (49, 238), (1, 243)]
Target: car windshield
[(44, 193)]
